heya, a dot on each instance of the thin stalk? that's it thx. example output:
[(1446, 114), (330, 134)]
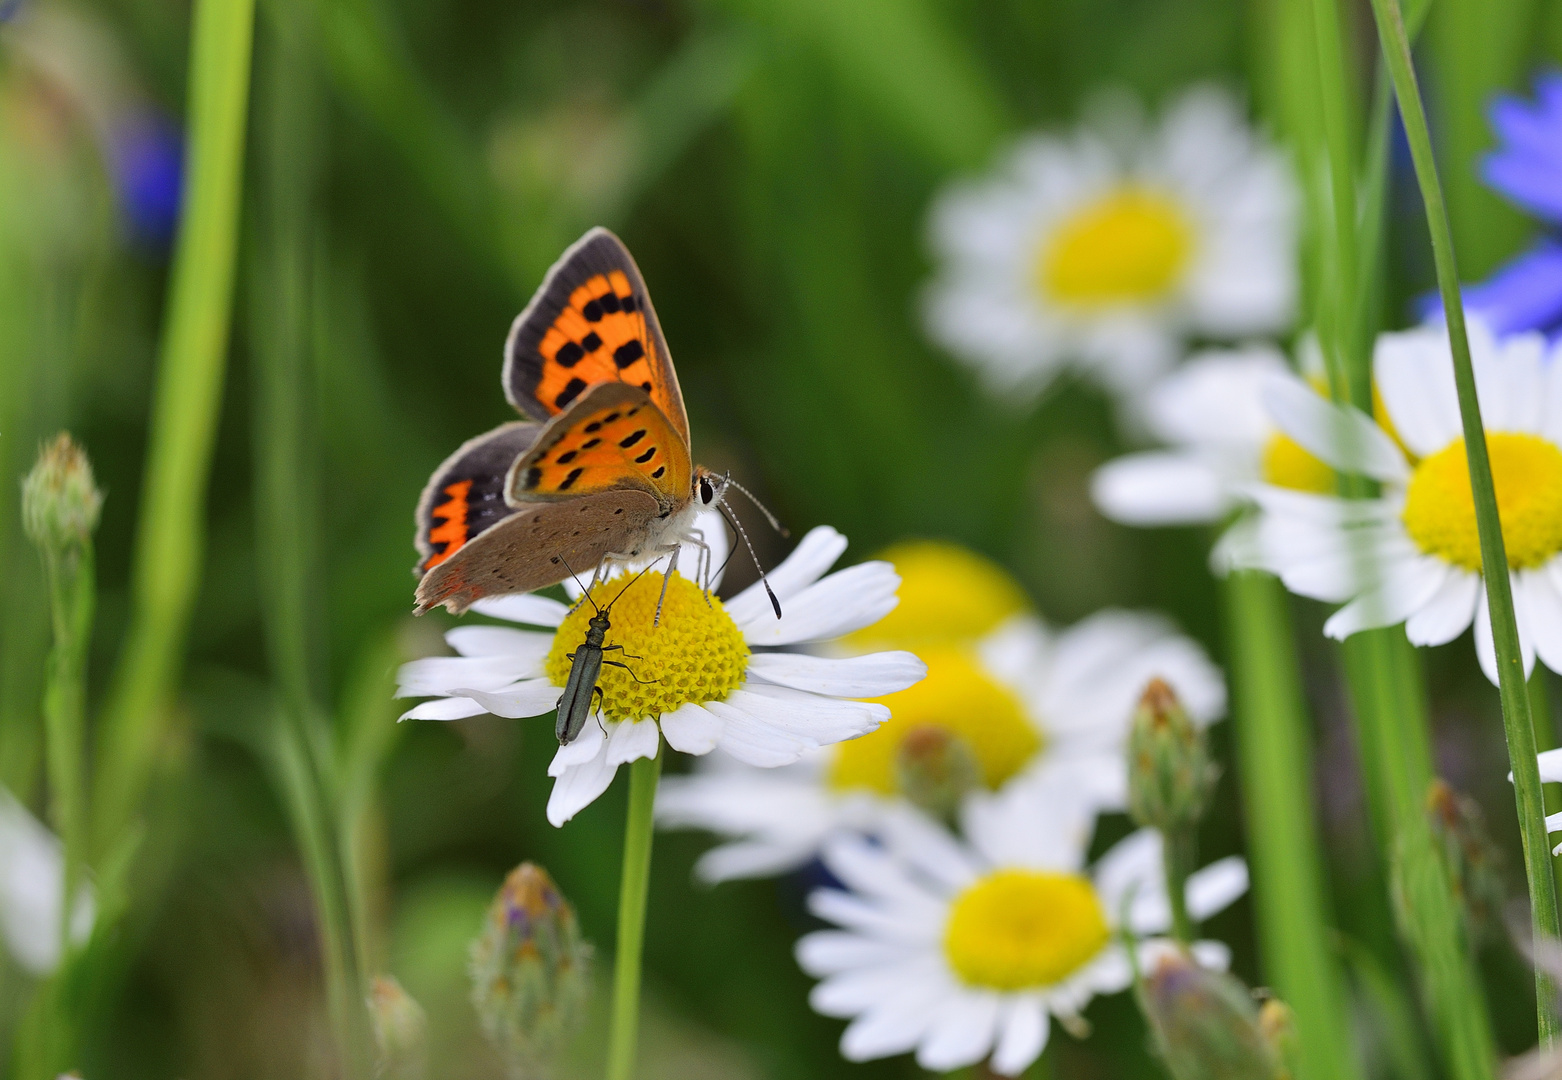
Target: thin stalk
[(1545, 739), (72, 598), (1516, 717), (170, 539), (1179, 849), (1274, 753), (633, 890), (286, 506)]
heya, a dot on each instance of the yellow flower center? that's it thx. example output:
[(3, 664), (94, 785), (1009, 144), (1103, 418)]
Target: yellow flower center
[(947, 594), (1132, 245), (1287, 465), (958, 697), (1019, 929), (697, 653), (1527, 470)]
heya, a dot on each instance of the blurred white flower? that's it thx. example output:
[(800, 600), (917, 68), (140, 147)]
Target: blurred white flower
[(963, 950), (709, 676), (1412, 555), (1024, 701), (32, 872), (1108, 248)]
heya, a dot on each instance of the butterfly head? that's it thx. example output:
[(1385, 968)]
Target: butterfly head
[(709, 488)]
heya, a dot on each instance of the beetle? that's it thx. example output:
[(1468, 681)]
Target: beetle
[(580, 688)]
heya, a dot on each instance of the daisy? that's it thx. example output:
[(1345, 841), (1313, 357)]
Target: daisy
[(1023, 701), (1412, 555), (963, 950), (710, 675), (1109, 247)]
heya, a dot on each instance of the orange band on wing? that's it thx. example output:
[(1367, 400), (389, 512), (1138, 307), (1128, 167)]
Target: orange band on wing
[(451, 530), (600, 337)]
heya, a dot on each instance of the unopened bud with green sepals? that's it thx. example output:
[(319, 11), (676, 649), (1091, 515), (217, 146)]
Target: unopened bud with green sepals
[(1170, 774), (531, 972), (1207, 1025), (400, 1031), (935, 769), (60, 500)]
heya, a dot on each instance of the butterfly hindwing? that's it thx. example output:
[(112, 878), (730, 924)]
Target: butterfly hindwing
[(614, 437), (590, 322), (530, 548), (465, 496)]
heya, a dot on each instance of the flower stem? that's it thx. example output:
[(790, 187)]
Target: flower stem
[(72, 597), (1275, 756), (167, 561), (633, 890), (1179, 848), (1494, 560)]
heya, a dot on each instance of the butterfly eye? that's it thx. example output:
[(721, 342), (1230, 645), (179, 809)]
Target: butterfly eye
[(707, 493)]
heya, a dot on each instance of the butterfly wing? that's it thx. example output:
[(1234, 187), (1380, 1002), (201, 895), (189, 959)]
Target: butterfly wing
[(612, 438), (465, 496), (529, 549), (591, 322)]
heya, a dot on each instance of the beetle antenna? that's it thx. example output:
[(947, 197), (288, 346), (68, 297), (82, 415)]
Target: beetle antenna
[(583, 590), (737, 526), (634, 579), (775, 523)]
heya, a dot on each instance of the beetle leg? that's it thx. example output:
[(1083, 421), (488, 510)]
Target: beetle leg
[(631, 671)]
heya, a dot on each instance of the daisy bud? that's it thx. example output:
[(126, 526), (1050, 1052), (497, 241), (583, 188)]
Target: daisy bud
[(1474, 862), (934, 768), (60, 502), (1207, 1025), (531, 971), (1170, 775), (400, 1030)]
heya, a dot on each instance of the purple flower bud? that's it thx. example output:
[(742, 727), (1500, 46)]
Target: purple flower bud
[(147, 152)]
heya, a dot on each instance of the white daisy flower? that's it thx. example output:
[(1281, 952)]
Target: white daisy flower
[(32, 882), (963, 951), (709, 676), (1026, 702), (1108, 248), (1550, 773), (1413, 555)]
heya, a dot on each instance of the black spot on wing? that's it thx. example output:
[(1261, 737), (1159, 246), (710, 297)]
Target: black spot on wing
[(592, 311), (628, 353), (570, 392), (569, 481), (589, 443), (650, 452), (609, 302), (533, 476), (657, 475), (569, 354), (633, 437), (568, 456), (591, 342)]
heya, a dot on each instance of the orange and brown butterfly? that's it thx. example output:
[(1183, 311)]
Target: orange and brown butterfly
[(601, 470)]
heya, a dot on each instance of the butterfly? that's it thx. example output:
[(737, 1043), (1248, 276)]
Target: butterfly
[(600, 470)]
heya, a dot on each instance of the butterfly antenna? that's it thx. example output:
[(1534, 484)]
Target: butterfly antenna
[(775, 523), (585, 592), (737, 527), (632, 580)]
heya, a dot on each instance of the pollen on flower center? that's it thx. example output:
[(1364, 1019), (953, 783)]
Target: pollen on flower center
[(697, 653), (1018, 929), (1132, 245), (1287, 465), (958, 697), (1439, 509)]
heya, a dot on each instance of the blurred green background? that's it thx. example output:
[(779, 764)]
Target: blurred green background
[(413, 169)]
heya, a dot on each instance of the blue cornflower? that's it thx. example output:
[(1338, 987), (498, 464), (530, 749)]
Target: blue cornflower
[(148, 164), (1526, 293), (8, 9)]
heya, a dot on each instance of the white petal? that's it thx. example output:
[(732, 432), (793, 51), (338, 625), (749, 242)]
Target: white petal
[(1551, 766), (886, 922), (873, 675), (633, 740), (1159, 488), (578, 788), (1041, 820), (583, 748), (1214, 955), (529, 646), (1215, 399), (439, 674), (1022, 1037), (751, 859), (1543, 610), (897, 1024), (830, 952), (32, 872), (807, 563), (691, 729), (1413, 371), (789, 721), (1132, 868), (1447, 614), (530, 698), (449, 708), (1341, 436), (526, 608), (1216, 887), (857, 991), (1486, 646), (1405, 589), (845, 601), (963, 1035)]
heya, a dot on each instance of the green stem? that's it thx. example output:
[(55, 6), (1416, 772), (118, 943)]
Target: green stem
[(1275, 756), (72, 596), (1388, 691), (1179, 848), (169, 541), (633, 890), (1494, 559)]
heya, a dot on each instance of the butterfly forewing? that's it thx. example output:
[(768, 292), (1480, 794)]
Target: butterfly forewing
[(613, 437), (591, 322), (465, 496)]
